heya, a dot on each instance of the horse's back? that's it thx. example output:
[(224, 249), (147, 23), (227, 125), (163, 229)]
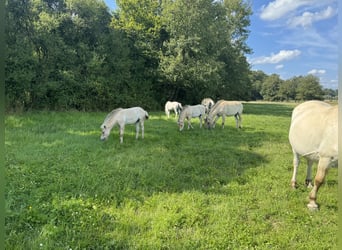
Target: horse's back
[(229, 107), (133, 115), (313, 129), (197, 110)]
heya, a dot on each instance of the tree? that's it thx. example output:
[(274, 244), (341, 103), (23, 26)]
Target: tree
[(205, 52), (74, 54), (19, 63), (270, 88), (330, 94), (140, 22), (257, 79), (288, 89), (309, 88), (63, 55)]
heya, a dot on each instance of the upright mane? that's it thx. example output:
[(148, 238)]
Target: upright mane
[(183, 113), (110, 116), (214, 109)]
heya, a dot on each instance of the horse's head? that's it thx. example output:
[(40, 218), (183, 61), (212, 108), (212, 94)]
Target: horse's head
[(208, 123), (105, 132), (180, 125)]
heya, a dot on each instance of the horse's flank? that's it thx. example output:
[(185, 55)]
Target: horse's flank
[(313, 134), (189, 112), (225, 108)]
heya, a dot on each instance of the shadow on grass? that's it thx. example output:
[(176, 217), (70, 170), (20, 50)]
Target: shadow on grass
[(171, 161)]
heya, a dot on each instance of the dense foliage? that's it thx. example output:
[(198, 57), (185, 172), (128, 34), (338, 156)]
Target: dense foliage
[(75, 54)]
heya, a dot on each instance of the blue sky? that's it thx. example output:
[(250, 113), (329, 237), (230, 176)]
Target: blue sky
[(293, 38)]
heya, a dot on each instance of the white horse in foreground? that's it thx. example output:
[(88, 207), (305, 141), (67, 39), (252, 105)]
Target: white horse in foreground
[(189, 112), (313, 134), (175, 106), (122, 117), (225, 108), (208, 104)]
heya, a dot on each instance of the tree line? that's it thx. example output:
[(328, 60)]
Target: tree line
[(298, 88), (76, 54)]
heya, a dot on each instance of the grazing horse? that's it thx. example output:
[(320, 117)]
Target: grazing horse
[(122, 117), (313, 134), (208, 104), (225, 108), (189, 112), (175, 106)]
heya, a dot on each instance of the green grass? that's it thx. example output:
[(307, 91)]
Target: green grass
[(196, 189)]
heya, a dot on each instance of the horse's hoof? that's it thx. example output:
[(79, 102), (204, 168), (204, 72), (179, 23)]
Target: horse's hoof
[(312, 206)]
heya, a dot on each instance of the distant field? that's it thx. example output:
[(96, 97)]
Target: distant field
[(196, 189)]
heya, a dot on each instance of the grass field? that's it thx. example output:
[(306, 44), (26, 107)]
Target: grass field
[(196, 189)]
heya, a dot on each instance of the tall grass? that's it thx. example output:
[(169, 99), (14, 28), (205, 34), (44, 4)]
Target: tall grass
[(196, 189)]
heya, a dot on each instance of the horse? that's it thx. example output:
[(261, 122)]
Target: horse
[(225, 108), (175, 106), (189, 112), (313, 135), (120, 116), (208, 104)]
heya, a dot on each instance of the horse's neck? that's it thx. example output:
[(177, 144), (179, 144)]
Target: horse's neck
[(213, 113), (183, 115), (111, 123)]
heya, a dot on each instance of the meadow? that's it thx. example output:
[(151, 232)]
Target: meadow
[(195, 189)]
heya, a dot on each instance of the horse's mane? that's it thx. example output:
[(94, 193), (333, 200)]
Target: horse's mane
[(111, 115)]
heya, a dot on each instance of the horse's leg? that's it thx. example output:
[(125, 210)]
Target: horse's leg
[(239, 120), (200, 118), (223, 119), (137, 130), (122, 128), (236, 116), (215, 120), (189, 123), (322, 170), (308, 180), (296, 162), (240, 115), (142, 129)]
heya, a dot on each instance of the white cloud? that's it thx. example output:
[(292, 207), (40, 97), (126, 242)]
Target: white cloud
[(279, 66), (278, 8), (282, 55), (317, 72), (307, 18)]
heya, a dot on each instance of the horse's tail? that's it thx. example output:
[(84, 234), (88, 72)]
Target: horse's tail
[(146, 115), (179, 108)]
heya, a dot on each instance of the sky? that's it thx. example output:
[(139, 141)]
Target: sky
[(293, 38)]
